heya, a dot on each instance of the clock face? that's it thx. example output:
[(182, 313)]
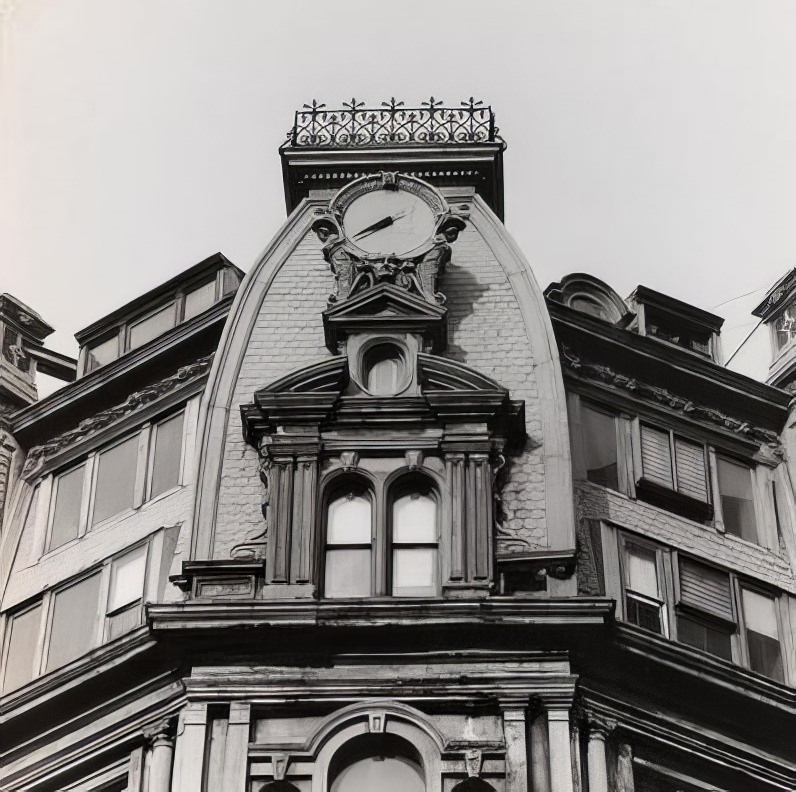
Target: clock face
[(386, 222)]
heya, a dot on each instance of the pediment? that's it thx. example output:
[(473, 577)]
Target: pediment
[(328, 376), (442, 374), (303, 397), (385, 308)]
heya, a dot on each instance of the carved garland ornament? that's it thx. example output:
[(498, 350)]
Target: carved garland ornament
[(606, 374), (38, 454)]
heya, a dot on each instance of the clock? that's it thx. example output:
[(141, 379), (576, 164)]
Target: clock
[(389, 222), (388, 215)]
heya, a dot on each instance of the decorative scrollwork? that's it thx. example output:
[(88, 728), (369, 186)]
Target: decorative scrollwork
[(392, 124)]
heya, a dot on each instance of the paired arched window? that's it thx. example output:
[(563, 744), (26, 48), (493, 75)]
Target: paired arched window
[(387, 545)]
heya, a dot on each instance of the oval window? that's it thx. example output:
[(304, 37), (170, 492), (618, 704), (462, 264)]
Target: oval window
[(384, 370)]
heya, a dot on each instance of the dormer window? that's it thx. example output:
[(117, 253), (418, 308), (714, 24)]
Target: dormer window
[(414, 543), (785, 328), (384, 370)]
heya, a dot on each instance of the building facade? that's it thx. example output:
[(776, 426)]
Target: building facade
[(383, 513)]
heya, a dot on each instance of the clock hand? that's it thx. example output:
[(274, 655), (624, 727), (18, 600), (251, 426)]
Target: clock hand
[(385, 222)]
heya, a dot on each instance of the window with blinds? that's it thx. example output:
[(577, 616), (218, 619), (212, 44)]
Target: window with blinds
[(705, 618), (674, 473)]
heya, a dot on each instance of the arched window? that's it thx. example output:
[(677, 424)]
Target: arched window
[(384, 370), (414, 553), (348, 560), (473, 785), (377, 763), (280, 786)]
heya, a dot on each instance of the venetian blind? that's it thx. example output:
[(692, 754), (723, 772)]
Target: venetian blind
[(691, 469), (705, 588), (656, 456)]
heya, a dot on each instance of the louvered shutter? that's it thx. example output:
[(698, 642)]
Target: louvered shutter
[(706, 589), (691, 469), (656, 456)]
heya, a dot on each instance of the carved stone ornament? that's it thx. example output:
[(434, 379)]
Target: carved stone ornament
[(654, 393), (38, 455), (366, 250)]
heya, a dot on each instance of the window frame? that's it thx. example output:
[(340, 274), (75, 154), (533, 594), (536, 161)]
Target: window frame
[(624, 443), (146, 435), (668, 560), (718, 507), (382, 494), (123, 331), (104, 613), (665, 583), (401, 487)]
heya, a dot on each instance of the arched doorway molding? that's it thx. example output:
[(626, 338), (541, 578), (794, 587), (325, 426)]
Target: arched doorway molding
[(372, 717)]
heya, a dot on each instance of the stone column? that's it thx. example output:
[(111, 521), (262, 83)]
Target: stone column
[(559, 743), (236, 754), (190, 748), (598, 766), (161, 753), (515, 734)]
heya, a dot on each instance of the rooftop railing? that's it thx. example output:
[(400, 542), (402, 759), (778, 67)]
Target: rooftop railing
[(393, 124)]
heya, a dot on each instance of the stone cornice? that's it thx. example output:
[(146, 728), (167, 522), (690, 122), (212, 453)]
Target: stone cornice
[(694, 739), (661, 364), (509, 611), (98, 381), (666, 398)]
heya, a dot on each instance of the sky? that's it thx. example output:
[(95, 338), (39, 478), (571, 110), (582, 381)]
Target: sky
[(649, 142)]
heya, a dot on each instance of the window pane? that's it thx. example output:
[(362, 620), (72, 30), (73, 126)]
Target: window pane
[(414, 519), (785, 329), (641, 571), (759, 613), (737, 504), (152, 326), (347, 573), (74, 627), (22, 648), (706, 637), (644, 614), (167, 455), (599, 447), (382, 773), (384, 370), (66, 515), (348, 520), (762, 635), (414, 572), (200, 299), (115, 480), (127, 579), (103, 353)]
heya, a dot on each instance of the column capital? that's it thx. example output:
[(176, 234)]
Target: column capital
[(160, 733)]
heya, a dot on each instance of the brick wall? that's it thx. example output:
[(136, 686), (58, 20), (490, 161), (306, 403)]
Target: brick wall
[(701, 541)]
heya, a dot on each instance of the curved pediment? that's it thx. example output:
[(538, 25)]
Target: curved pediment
[(328, 376), (442, 374)]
